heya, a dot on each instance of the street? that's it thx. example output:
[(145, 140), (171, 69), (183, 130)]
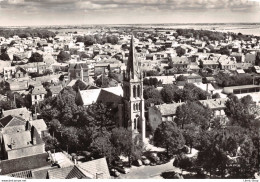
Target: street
[(149, 172)]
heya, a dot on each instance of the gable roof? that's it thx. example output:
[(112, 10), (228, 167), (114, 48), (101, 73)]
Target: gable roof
[(97, 168), (60, 173), (11, 121), (168, 109), (19, 112), (214, 103), (91, 96), (38, 90), (56, 89), (39, 125)]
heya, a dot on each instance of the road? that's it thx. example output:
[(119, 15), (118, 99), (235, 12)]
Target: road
[(149, 172)]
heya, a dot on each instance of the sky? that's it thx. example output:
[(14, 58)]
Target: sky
[(74, 12)]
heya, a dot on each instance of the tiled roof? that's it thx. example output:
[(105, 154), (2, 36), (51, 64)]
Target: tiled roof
[(22, 174), (19, 112), (79, 173), (180, 60), (39, 90), (60, 173), (24, 163), (20, 139), (56, 89), (39, 124), (168, 109), (98, 168), (11, 121), (214, 103)]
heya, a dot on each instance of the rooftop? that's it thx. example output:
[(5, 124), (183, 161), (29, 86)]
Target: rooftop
[(168, 109)]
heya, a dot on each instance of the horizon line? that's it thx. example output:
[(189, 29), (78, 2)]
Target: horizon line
[(98, 24)]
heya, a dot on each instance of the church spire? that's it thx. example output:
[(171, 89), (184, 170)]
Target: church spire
[(132, 64)]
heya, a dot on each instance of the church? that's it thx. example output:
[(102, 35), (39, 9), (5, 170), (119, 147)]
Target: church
[(128, 98)]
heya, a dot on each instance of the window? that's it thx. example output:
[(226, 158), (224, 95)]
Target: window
[(138, 91), (134, 107), (35, 97), (134, 91), (135, 123)]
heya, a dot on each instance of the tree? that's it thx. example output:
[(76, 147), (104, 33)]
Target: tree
[(103, 147), (224, 51), (102, 81), (215, 96), (112, 39), (180, 51), (169, 93), (70, 138), (4, 56), (168, 135), (212, 155), (238, 111), (190, 134), (152, 73), (181, 78), (89, 40), (36, 57), (126, 145), (50, 142), (79, 85), (63, 57), (193, 112), (99, 115)]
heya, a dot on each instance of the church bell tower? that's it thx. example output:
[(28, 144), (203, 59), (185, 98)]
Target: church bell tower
[(133, 94)]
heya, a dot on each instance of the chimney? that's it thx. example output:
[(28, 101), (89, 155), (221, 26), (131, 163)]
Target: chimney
[(12, 144), (75, 161)]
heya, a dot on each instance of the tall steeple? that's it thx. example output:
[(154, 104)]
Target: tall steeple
[(133, 95), (133, 69)]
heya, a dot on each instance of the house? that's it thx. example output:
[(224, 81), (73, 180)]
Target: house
[(38, 94), (179, 62), (55, 90), (79, 71), (250, 58), (9, 72), (227, 63), (17, 140), (20, 73), (60, 67), (256, 69), (18, 86), (159, 113), (164, 79), (209, 63), (40, 127), (39, 67), (240, 57), (194, 78), (23, 113), (95, 169), (4, 64), (216, 105)]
